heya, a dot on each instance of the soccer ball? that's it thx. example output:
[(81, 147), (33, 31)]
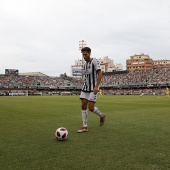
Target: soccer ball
[(61, 133)]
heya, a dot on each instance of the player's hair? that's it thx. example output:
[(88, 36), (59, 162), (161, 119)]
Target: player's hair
[(86, 49)]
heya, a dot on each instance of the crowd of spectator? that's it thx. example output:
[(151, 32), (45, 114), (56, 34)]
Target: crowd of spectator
[(146, 77), (139, 91), (130, 79), (12, 81)]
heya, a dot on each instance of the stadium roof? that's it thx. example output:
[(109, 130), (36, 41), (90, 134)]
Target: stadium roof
[(32, 74)]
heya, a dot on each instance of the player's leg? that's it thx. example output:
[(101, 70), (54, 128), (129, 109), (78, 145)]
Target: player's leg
[(84, 112), (166, 94), (92, 108)]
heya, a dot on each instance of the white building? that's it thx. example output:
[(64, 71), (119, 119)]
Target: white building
[(76, 68), (107, 65)]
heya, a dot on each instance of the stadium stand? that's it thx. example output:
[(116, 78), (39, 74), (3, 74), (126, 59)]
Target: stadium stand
[(152, 81)]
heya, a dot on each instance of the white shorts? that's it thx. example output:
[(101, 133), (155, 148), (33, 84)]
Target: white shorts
[(90, 96)]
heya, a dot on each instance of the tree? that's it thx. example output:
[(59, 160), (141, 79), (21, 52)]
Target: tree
[(64, 76)]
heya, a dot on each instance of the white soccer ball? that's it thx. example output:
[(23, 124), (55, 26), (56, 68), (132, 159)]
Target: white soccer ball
[(61, 133)]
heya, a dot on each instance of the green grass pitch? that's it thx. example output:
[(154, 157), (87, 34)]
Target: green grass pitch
[(136, 134)]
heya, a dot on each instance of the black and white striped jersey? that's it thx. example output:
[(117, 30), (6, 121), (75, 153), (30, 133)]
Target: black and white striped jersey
[(89, 73)]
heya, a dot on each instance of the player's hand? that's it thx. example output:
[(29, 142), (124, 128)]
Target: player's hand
[(95, 90)]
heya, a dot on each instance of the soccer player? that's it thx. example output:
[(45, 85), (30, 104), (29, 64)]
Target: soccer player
[(91, 76), (100, 93), (167, 92), (141, 93)]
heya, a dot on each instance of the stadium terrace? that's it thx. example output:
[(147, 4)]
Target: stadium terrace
[(150, 82)]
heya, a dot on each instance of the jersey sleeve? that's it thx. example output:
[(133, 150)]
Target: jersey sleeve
[(97, 64)]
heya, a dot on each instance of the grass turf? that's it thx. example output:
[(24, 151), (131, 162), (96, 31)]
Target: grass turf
[(136, 134)]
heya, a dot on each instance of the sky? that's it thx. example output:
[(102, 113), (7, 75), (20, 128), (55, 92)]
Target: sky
[(43, 35)]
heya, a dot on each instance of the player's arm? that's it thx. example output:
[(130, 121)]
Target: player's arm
[(99, 77)]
